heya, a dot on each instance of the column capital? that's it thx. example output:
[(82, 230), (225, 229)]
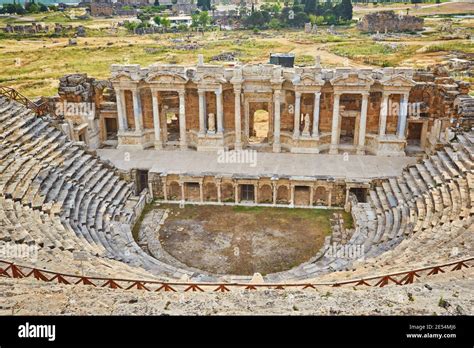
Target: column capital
[(298, 94), (337, 93), (317, 93), (277, 92), (365, 94), (218, 91), (200, 91), (386, 94), (237, 90)]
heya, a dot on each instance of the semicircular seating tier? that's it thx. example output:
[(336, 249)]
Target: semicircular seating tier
[(61, 198)]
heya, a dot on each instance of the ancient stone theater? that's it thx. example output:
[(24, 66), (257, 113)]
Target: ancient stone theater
[(392, 146)]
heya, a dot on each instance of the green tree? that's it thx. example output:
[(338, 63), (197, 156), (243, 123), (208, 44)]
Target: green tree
[(258, 19), (157, 20), (274, 24), (165, 22), (195, 20), (299, 20), (345, 10), (310, 6), (204, 19), (32, 7)]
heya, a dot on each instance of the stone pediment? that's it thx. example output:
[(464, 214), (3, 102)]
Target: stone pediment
[(166, 78), (209, 79), (397, 81), (307, 79), (122, 76), (352, 79)]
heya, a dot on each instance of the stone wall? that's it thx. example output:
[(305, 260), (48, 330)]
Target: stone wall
[(431, 92), (388, 21), (78, 104)]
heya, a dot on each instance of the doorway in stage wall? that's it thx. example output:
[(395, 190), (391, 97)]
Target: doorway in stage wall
[(360, 193), (348, 128), (110, 128), (141, 180), (414, 142), (172, 125), (259, 127), (258, 123), (414, 133), (169, 105)]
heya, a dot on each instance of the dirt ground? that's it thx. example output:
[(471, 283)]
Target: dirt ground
[(240, 240)]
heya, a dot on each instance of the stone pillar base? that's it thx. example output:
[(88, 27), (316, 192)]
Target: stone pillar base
[(183, 146), (158, 145), (360, 151), (238, 146), (333, 150), (276, 147)]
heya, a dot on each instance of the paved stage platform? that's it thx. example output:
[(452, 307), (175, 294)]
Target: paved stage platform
[(267, 163)]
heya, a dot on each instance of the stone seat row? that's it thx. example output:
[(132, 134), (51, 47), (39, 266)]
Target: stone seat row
[(427, 201), (45, 172)]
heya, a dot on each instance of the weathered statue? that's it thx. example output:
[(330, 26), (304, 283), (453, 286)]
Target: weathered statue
[(317, 62), (306, 125), (211, 123)]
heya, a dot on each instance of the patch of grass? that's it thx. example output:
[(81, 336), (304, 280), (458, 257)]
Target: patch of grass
[(384, 55), (138, 224), (450, 46)]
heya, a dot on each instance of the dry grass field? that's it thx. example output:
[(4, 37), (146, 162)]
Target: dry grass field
[(33, 64)]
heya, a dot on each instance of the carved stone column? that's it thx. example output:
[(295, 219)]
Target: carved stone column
[(137, 110), (121, 110), (363, 124), (201, 192), (292, 195), (276, 131), (296, 124), (335, 125), (181, 184), (317, 101), (182, 120), (219, 192), (383, 114), (275, 192), (238, 122), (202, 112), (403, 116), (220, 112), (236, 193), (156, 120)]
